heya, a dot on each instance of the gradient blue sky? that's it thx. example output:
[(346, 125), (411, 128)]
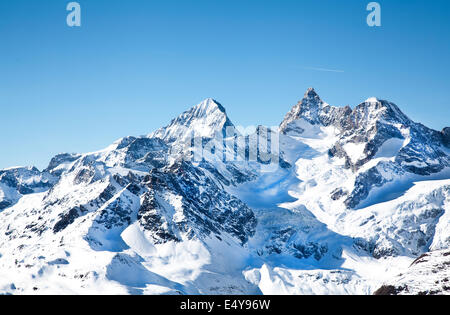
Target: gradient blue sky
[(134, 65)]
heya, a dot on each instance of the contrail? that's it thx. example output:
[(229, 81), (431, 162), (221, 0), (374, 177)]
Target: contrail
[(324, 69)]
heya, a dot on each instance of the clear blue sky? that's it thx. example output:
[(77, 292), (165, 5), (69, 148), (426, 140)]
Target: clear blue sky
[(134, 65)]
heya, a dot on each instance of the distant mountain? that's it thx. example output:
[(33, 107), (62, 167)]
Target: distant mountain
[(335, 201), (375, 140)]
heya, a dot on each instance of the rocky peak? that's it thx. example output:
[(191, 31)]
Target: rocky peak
[(60, 162), (310, 93), (203, 120), (308, 108), (374, 109), (366, 115), (208, 107)]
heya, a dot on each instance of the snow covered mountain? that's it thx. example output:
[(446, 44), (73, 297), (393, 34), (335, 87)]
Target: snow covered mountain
[(336, 201), (19, 181), (428, 275)]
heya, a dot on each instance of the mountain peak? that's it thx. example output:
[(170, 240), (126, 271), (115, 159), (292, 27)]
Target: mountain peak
[(377, 108), (316, 112), (207, 107), (372, 100), (310, 93), (308, 108), (202, 120), (311, 99)]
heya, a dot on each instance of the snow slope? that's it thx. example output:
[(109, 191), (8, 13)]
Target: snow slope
[(428, 275)]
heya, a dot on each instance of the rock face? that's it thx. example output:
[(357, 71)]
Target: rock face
[(20, 181), (172, 213), (428, 275), (309, 108), (446, 136), (202, 207)]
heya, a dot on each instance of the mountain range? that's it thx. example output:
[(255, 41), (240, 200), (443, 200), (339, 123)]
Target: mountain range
[(334, 201)]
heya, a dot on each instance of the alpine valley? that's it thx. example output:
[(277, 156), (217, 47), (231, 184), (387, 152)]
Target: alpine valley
[(357, 203)]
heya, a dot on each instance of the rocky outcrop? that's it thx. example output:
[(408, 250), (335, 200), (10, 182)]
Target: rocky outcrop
[(428, 275), (20, 181), (446, 136), (203, 208)]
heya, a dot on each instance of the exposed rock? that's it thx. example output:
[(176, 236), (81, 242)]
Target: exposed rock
[(446, 136), (430, 276)]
